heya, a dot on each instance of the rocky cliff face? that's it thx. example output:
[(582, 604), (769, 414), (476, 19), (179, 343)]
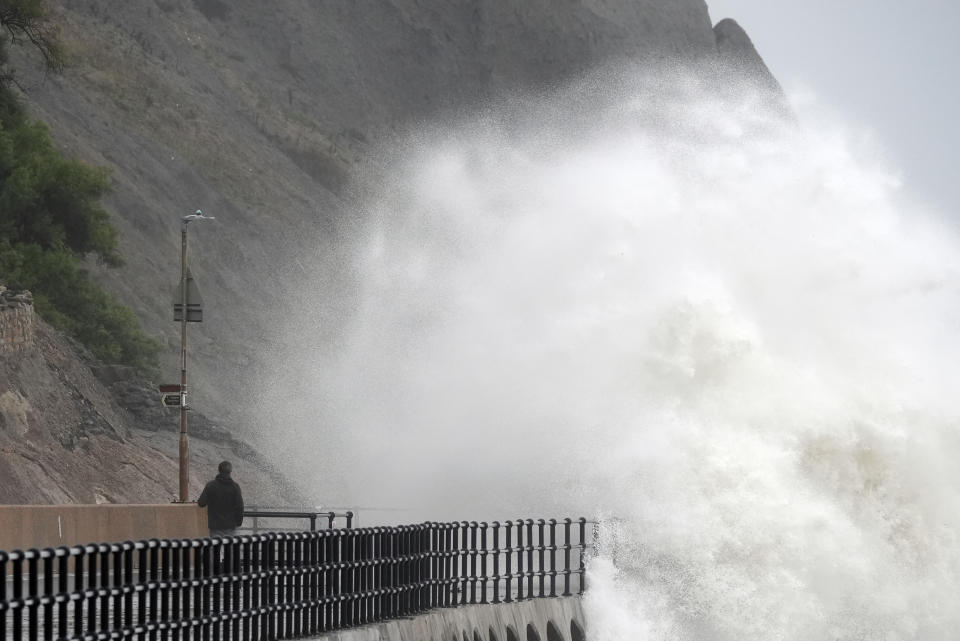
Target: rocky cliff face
[(259, 113), (73, 431)]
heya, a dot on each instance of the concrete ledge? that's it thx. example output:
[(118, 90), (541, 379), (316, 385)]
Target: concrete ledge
[(39, 526), (551, 619)]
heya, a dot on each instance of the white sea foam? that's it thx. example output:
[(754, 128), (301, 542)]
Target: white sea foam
[(724, 333)]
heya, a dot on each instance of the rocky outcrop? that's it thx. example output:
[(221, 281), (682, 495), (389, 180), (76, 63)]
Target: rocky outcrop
[(66, 436), (738, 53), (17, 320)]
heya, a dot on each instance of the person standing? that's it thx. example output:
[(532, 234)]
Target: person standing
[(224, 502)]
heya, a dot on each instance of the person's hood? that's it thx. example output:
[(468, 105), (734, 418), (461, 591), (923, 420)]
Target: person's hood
[(224, 478)]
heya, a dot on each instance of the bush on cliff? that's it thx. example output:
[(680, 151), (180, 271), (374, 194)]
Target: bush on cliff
[(51, 218), (65, 297)]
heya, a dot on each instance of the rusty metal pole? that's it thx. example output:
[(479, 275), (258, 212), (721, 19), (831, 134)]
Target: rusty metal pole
[(184, 443)]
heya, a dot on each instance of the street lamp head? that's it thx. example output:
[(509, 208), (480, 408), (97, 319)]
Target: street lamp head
[(196, 216)]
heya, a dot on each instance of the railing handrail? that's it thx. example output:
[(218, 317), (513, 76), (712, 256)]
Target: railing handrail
[(293, 514)]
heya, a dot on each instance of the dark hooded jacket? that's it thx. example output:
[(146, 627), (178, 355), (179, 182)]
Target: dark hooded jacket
[(224, 503)]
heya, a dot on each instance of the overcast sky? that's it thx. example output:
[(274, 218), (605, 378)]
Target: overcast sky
[(890, 65)]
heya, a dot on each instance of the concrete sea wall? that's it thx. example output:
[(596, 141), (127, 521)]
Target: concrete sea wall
[(550, 619), (40, 526)]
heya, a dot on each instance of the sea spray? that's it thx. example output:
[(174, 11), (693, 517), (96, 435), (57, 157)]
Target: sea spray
[(719, 329)]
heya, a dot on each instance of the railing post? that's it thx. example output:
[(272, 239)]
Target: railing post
[(349, 519), (463, 551), (508, 560), (386, 556), (32, 593), (140, 547), (238, 584), (63, 554), (388, 571), (380, 575), (104, 554), (208, 551), (258, 563), (424, 553), (247, 586), (320, 609), (91, 589), (285, 563), (432, 569), (496, 561), (541, 552), (416, 587), (325, 563), (78, 588), (47, 556), (553, 557), (520, 550), (406, 589), (413, 567), (277, 584), (173, 589), (362, 576), (299, 566), (18, 596), (335, 585), (299, 582), (164, 587), (360, 572), (473, 561), (410, 572), (484, 553), (343, 542), (583, 553), (348, 583), (313, 588), (531, 572), (566, 556), (449, 567), (271, 569)]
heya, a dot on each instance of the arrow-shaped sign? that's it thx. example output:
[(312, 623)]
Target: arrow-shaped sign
[(172, 400)]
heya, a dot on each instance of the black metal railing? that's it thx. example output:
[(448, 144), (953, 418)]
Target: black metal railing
[(282, 585), (257, 513)]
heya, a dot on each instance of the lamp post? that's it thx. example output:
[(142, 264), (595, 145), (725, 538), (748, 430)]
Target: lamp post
[(188, 299)]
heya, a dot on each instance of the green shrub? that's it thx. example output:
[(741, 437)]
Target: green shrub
[(50, 219), (50, 213)]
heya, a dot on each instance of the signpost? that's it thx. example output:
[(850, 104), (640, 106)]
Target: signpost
[(186, 298), (170, 395), (194, 302)]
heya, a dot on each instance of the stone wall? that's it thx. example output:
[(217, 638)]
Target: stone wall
[(17, 320)]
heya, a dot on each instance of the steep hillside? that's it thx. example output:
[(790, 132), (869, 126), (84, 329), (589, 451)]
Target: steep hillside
[(74, 431), (260, 113)]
